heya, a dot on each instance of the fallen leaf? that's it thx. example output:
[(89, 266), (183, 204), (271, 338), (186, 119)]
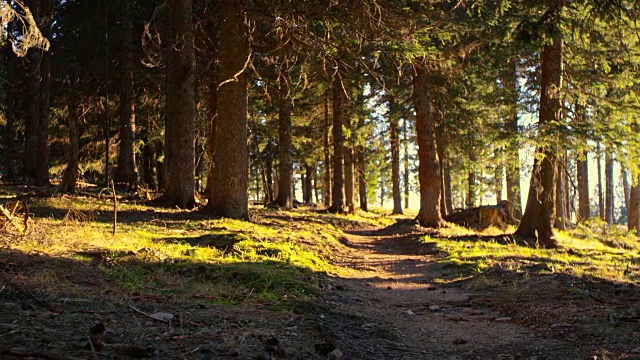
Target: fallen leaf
[(162, 316)]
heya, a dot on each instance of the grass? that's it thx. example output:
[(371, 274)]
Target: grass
[(591, 250), (277, 257)]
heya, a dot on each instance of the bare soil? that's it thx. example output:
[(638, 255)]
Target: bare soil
[(392, 304)]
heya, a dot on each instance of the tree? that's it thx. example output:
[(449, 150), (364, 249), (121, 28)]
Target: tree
[(429, 165), (394, 130), (231, 155), (634, 207), (127, 172), (339, 103), (180, 107), (539, 215)]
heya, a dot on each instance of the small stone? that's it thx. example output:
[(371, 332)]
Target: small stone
[(336, 355), (368, 284), (340, 287), (410, 313), (502, 319), (434, 308), (459, 341), (388, 287), (233, 352)]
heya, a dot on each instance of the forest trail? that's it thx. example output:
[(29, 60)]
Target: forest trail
[(387, 307)]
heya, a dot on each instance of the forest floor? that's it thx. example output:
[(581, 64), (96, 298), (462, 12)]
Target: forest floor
[(304, 285)]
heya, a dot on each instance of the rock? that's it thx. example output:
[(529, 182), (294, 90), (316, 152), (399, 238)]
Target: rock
[(388, 287), (324, 348), (410, 313), (502, 319), (368, 284), (233, 353), (434, 308), (336, 355), (459, 341), (453, 317), (341, 288)]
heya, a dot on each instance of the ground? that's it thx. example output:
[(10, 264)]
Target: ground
[(389, 290)]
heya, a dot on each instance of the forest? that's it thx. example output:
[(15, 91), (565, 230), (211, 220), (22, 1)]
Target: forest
[(319, 179)]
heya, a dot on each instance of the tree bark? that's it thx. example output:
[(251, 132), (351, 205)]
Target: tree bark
[(11, 112), (499, 177), (33, 102), (608, 170), (327, 152), (231, 153), (309, 172), (600, 185), (441, 146), (394, 127), (339, 103), (634, 207), (362, 178), (561, 192), (405, 160), (512, 155), (584, 211), (181, 107), (349, 180), (72, 171), (540, 213), (428, 167), (126, 172), (285, 171)]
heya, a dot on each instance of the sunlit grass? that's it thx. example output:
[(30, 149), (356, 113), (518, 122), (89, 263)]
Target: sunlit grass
[(592, 250), (278, 256)]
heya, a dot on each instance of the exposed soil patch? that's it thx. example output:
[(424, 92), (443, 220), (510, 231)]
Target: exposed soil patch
[(498, 314)]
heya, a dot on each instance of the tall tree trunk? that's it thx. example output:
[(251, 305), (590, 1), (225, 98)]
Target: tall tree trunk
[(540, 213), (326, 180), (471, 182), (349, 180), (180, 107), (231, 154), (634, 207), (584, 211), (625, 187), (72, 171), (339, 103), (405, 160), (499, 177), (126, 171), (308, 183), (561, 190), (394, 127), (11, 110), (512, 155), (441, 146), (429, 164), (32, 103), (362, 178), (149, 174), (212, 117), (42, 149), (600, 185), (608, 170), (447, 185), (285, 167)]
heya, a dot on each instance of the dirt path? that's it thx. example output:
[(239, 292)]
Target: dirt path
[(389, 308)]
